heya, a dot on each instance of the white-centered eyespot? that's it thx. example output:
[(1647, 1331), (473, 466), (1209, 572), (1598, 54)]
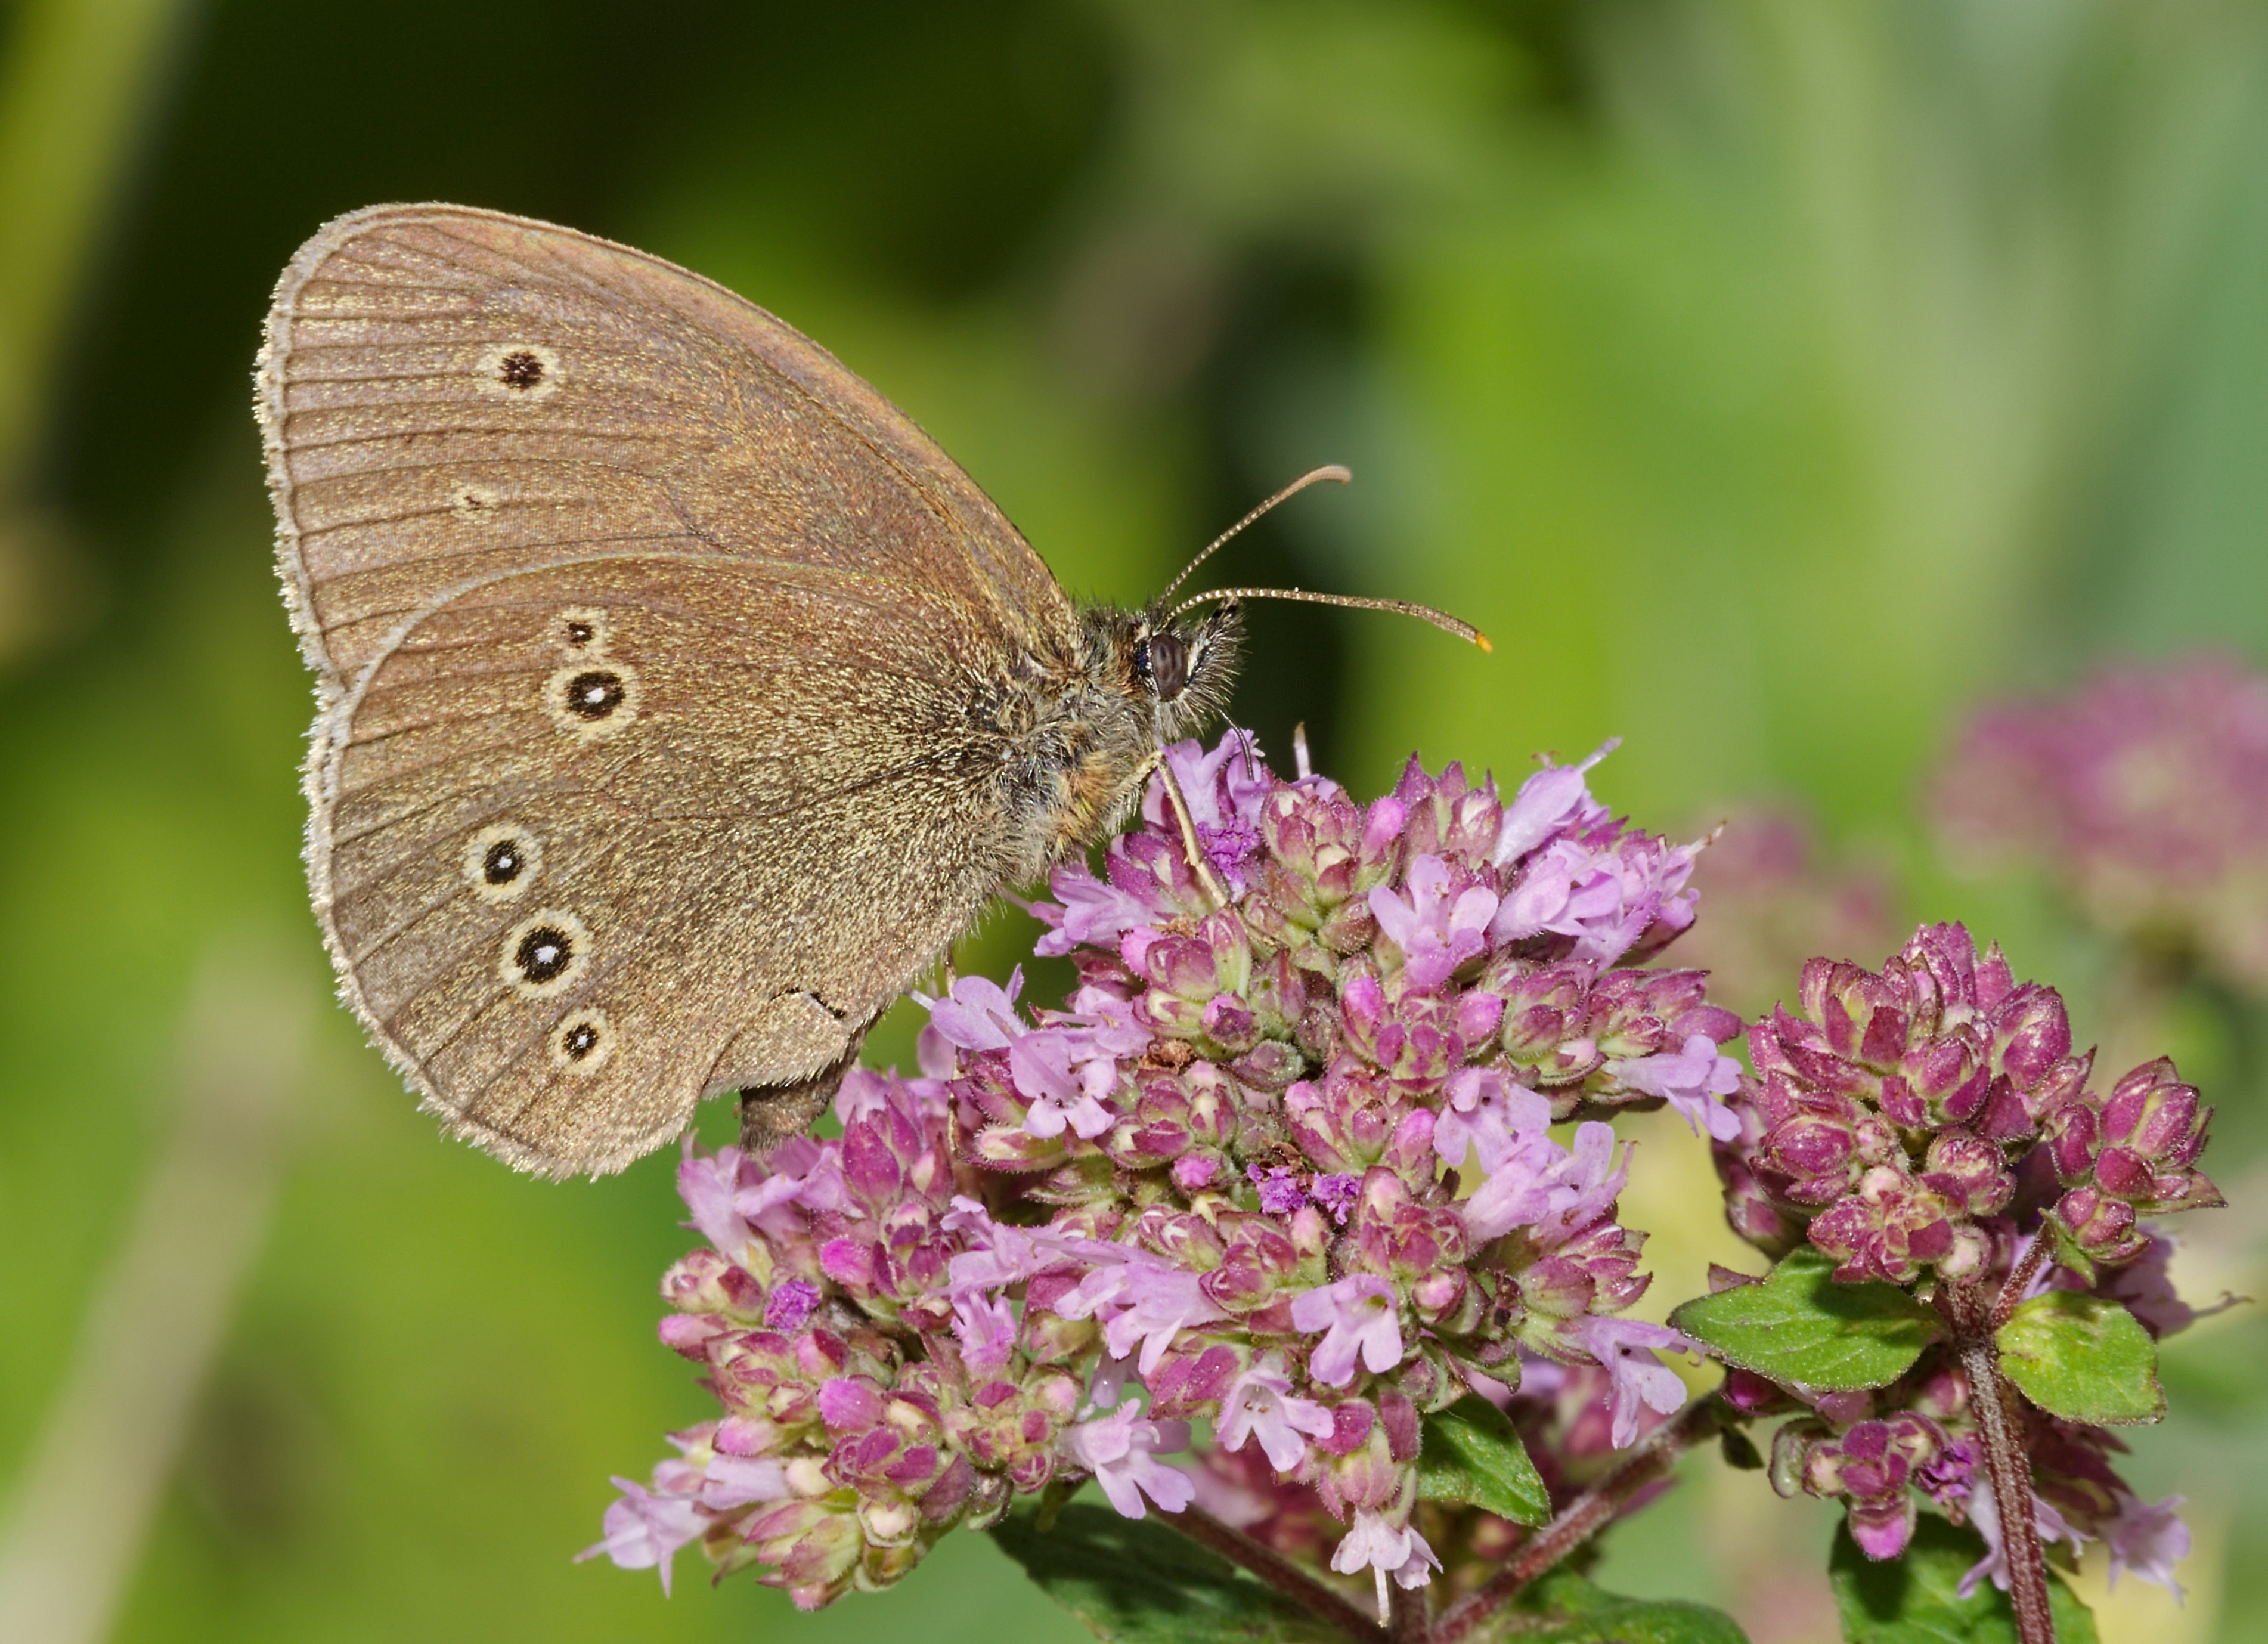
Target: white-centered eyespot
[(502, 861), (519, 371), (545, 954), (581, 1043), (591, 699), (581, 630)]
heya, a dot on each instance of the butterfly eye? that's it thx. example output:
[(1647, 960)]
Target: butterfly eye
[(1168, 665)]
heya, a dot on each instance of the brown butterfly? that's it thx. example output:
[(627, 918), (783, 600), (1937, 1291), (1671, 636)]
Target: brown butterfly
[(679, 700)]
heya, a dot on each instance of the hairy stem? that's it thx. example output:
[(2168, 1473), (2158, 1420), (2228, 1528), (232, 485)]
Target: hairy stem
[(2018, 1280), (1583, 1518), (1408, 1624), (1278, 1572), (2009, 1469)]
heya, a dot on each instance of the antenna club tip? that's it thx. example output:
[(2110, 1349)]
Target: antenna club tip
[(1482, 640), (1336, 471)]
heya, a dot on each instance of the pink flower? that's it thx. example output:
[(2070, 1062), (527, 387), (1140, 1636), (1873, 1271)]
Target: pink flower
[(1605, 899), (1487, 1110), (1225, 789), (1259, 1404), (1091, 910), (1359, 1317), (1694, 1081), (1438, 927), (709, 1183), (1040, 1064), (978, 1013), (1384, 1550), (1625, 1345), (644, 1530), (1138, 1297), (1549, 1189), (2149, 1540), (1552, 800), (1120, 1450), (986, 1329), (730, 1482), (1985, 1512)]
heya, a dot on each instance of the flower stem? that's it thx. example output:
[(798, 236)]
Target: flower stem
[(1277, 1571), (1408, 1624), (2020, 1279), (2006, 1463), (1582, 1518)]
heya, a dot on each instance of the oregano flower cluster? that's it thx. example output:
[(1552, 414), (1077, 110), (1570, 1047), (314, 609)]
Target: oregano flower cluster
[(1284, 1161), (1927, 1126)]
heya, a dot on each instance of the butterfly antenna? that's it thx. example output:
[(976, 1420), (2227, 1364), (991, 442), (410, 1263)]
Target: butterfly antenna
[(1441, 620), (1330, 471)]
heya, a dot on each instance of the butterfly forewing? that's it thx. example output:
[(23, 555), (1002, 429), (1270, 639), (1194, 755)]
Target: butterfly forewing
[(648, 637)]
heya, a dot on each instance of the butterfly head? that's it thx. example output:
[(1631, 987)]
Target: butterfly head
[(1181, 669)]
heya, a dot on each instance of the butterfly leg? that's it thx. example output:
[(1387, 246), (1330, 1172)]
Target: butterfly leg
[(773, 1114)]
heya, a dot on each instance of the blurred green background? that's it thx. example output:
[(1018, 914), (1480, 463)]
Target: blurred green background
[(1768, 380)]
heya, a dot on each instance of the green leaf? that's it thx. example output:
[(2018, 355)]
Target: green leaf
[(1912, 1599), (1134, 1582), (1799, 1325), (2084, 1358), (1564, 1608), (1472, 1456)]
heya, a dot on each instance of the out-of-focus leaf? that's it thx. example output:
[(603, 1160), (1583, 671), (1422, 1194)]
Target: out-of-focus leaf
[(1472, 1455), (1800, 1325), (1134, 1582), (2084, 1358), (1564, 1608), (1914, 1599)]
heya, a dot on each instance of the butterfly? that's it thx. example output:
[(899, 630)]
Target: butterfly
[(679, 700)]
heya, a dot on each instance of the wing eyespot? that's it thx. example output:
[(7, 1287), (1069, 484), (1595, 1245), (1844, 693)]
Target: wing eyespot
[(582, 631), (591, 699), (545, 954), (582, 1043), (519, 371), (501, 862)]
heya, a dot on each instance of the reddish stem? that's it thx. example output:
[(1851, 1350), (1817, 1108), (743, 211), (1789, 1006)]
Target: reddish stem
[(1278, 1572), (1407, 1607), (1583, 1518), (1999, 1423), (2020, 1279)]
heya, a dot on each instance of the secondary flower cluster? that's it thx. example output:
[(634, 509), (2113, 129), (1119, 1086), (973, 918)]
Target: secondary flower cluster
[(1893, 1123), (2146, 793), (1929, 1121), (1881, 1452), (1283, 1161)]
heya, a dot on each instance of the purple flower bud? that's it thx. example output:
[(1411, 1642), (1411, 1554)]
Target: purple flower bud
[(2101, 1226), (1966, 1168)]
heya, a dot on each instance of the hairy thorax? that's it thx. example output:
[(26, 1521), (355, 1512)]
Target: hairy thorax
[(1077, 734)]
